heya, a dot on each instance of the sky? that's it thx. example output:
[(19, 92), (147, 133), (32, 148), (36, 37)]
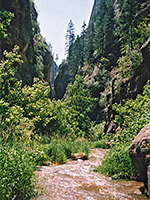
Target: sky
[(54, 16)]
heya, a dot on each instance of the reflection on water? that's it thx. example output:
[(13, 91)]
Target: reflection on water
[(76, 180)]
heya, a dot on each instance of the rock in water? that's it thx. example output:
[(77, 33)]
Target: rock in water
[(139, 152)]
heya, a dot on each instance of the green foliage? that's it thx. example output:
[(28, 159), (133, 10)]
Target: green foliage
[(128, 63), (37, 104), (5, 19), (16, 172), (59, 150), (97, 131), (71, 115), (79, 105), (89, 44), (8, 68), (132, 116), (104, 36), (142, 31), (117, 164), (125, 21), (98, 144), (28, 102), (32, 103)]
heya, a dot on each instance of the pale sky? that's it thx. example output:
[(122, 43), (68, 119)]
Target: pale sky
[(54, 16)]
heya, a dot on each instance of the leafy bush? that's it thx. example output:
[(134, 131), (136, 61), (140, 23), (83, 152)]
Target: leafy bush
[(71, 115), (117, 164), (132, 116), (56, 152), (17, 168), (32, 103), (97, 131), (79, 106), (128, 63)]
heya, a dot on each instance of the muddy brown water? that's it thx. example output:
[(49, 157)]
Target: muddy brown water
[(76, 180)]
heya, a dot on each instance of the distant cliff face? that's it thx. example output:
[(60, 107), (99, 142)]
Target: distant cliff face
[(94, 10), (23, 31), (20, 33), (63, 78)]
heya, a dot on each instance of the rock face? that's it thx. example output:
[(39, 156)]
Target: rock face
[(137, 82), (64, 77), (53, 73), (94, 10), (23, 32), (139, 152), (20, 33)]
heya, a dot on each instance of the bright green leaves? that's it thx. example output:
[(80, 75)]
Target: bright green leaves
[(37, 104), (5, 19), (31, 104), (8, 68), (16, 173), (128, 63), (117, 164), (79, 105), (24, 104), (71, 114), (132, 116), (142, 31)]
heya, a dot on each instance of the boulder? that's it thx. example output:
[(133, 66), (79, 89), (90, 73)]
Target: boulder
[(77, 156), (139, 152)]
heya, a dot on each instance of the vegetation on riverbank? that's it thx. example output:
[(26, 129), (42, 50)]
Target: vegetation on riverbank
[(35, 129), (131, 118)]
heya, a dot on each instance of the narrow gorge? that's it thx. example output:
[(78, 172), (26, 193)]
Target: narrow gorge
[(79, 130)]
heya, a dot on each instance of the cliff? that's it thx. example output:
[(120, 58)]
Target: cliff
[(24, 31), (111, 74), (95, 10)]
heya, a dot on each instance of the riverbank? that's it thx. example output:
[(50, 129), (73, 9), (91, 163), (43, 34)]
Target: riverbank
[(76, 180)]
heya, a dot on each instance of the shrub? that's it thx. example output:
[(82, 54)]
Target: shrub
[(132, 116), (16, 172), (117, 164), (71, 115), (97, 131)]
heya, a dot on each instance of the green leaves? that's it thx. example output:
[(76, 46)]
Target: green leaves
[(132, 116), (117, 164), (79, 105), (5, 19), (16, 173), (8, 68)]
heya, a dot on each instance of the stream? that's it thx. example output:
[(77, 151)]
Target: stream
[(76, 180)]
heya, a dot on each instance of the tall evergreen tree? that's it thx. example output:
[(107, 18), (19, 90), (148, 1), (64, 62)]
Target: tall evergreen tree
[(104, 27), (127, 16), (70, 37), (89, 44)]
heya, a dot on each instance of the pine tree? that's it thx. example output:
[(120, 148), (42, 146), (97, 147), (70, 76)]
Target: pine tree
[(70, 37), (89, 44), (104, 27), (126, 26)]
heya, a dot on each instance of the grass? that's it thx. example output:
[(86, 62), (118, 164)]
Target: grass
[(117, 164), (59, 150), (98, 144)]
